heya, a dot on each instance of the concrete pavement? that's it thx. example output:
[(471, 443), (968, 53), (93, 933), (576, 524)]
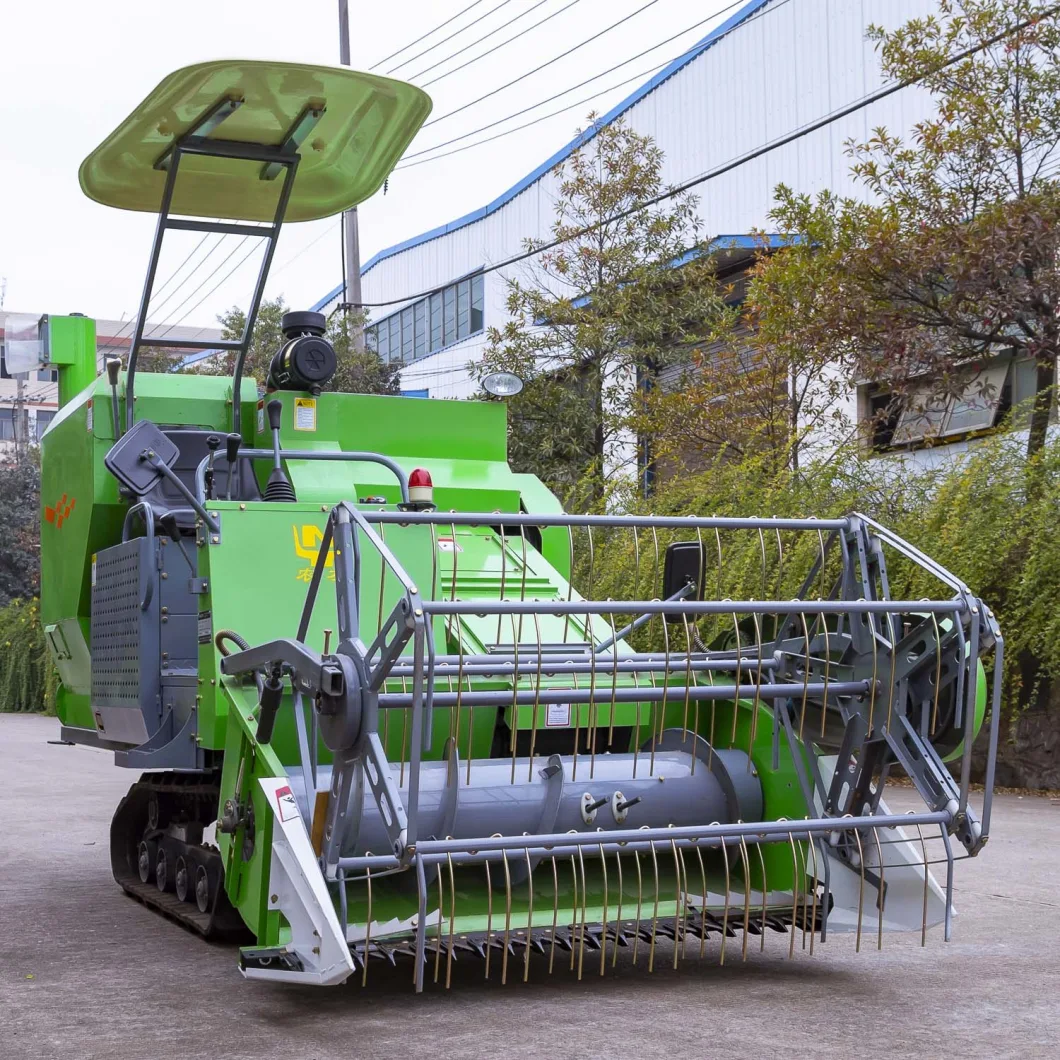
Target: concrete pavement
[(85, 972)]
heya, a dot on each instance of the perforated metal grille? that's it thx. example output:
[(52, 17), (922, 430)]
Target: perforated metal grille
[(116, 621)]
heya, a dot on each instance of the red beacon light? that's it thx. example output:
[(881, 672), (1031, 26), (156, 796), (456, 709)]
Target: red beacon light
[(421, 490)]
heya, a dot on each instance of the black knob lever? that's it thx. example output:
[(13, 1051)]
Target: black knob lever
[(623, 806), (591, 807), (269, 702), (275, 408), (232, 444)]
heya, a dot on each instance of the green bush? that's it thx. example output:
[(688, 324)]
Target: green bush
[(27, 678), (989, 517)]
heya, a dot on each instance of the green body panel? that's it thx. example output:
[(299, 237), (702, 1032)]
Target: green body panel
[(72, 347)]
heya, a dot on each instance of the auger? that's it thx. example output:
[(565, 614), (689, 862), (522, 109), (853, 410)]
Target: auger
[(389, 700)]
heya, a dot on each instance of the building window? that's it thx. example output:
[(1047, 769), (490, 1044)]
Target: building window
[(984, 396), (447, 316), (44, 417), (4, 373), (48, 375), (7, 425)]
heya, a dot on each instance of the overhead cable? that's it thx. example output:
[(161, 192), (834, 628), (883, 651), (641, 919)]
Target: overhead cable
[(455, 33), (542, 66), (412, 44), (495, 48)]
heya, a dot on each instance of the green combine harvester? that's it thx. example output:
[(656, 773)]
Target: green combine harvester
[(388, 700)]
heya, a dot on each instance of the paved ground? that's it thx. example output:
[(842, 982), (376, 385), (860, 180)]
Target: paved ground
[(86, 972)]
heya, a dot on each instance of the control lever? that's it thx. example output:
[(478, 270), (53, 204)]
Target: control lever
[(213, 443), (113, 370), (279, 487), (269, 702), (232, 444)]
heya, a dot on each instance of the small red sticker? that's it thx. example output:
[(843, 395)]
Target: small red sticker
[(286, 807)]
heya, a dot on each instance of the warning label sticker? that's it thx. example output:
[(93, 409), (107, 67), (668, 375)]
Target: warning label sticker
[(557, 714), (93, 569), (286, 807), (88, 417), (205, 627), (305, 414), (448, 544), (261, 417)]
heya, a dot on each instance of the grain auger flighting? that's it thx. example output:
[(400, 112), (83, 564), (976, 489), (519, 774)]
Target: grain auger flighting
[(390, 702)]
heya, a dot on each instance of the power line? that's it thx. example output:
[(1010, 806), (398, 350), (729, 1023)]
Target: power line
[(455, 33), (155, 334), (537, 69), (238, 265), (154, 294), (406, 164), (309, 246), (412, 44), (496, 47), (740, 160)]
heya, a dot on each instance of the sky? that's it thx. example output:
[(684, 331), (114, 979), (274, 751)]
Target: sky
[(81, 68)]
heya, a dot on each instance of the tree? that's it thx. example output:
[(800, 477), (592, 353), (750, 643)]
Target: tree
[(953, 258), (759, 386), (597, 315), (19, 531), (357, 372)]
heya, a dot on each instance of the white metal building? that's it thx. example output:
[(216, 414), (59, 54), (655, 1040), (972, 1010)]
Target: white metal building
[(772, 67)]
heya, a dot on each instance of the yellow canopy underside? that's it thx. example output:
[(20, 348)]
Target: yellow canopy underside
[(367, 124)]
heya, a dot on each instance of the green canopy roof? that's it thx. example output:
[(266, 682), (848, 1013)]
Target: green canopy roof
[(367, 123)]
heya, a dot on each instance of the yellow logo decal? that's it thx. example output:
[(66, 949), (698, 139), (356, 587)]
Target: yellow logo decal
[(307, 541)]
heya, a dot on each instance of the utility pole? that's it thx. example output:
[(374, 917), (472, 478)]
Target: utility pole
[(351, 235)]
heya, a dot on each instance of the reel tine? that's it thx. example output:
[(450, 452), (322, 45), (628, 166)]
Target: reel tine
[(679, 904), (703, 907), (489, 911), (881, 890), (640, 902), (655, 913), (746, 894), (739, 679), (619, 937), (438, 947), (581, 934), (813, 911), (765, 893), (603, 932), (452, 920), (368, 924), (574, 914), (507, 918), (555, 913), (923, 919), (758, 695), (683, 898), (593, 708), (537, 695), (861, 886), (529, 911), (725, 914), (794, 892), (805, 674)]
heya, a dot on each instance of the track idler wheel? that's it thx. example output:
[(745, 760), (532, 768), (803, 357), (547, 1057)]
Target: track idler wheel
[(181, 879)]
